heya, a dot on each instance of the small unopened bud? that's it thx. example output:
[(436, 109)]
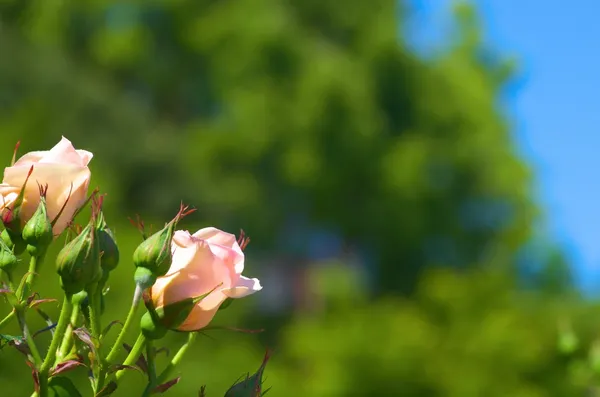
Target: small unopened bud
[(78, 263), (8, 260), (154, 254), (37, 232), (251, 386), (15, 243), (153, 257), (109, 252), (109, 258)]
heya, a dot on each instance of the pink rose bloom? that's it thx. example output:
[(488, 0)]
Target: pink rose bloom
[(201, 262), (59, 167)]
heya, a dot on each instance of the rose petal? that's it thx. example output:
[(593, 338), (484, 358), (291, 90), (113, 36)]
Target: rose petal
[(85, 156), (8, 194), (182, 255), (216, 236), (198, 318), (233, 259), (59, 178), (30, 158), (63, 153), (244, 287), (183, 238), (194, 275)]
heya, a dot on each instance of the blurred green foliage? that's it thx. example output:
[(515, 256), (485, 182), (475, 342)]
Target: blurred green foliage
[(285, 117)]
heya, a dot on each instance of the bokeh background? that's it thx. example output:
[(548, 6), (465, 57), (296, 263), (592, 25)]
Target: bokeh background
[(395, 220)]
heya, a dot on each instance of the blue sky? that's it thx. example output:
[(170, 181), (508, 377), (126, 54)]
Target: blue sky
[(555, 111)]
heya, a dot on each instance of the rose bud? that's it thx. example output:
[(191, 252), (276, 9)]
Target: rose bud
[(153, 257), (207, 259), (8, 259), (251, 386), (37, 232), (109, 251), (78, 263), (63, 168)]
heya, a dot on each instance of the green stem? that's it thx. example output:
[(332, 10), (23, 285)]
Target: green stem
[(112, 355), (35, 353), (9, 279), (151, 368), (176, 359), (63, 321), (7, 319), (34, 264), (67, 342), (133, 355), (94, 307)]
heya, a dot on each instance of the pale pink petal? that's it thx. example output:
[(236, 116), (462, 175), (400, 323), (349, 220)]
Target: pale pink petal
[(158, 289), (60, 178), (195, 275), (183, 238), (71, 202), (30, 158), (233, 259), (59, 175), (216, 236), (198, 318), (183, 255), (63, 153), (85, 156), (244, 287), (8, 194)]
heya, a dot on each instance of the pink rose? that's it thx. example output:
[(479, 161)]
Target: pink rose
[(59, 167), (201, 262)]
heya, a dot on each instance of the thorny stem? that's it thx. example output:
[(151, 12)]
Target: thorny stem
[(35, 353), (133, 355), (61, 327), (94, 299), (7, 319), (67, 342), (112, 355), (34, 264), (177, 358), (151, 368)]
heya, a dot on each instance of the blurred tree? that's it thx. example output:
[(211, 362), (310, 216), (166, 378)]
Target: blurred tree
[(262, 109), (288, 116), (466, 335)]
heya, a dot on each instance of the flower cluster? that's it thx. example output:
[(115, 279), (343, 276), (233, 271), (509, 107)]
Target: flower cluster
[(182, 278)]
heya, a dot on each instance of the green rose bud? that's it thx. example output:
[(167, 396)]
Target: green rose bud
[(155, 253), (251, 386), (8, 260), (109, 258), (15, 243), (37, 232), (153, 257), (78, 263)]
